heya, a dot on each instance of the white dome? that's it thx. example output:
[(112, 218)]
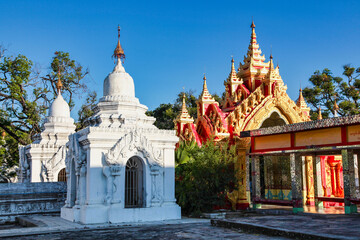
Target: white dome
[(119, 82), (59, 108)]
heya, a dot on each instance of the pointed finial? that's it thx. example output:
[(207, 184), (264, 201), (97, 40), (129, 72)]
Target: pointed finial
[(319, 114), (204, 78), (252, 23), (183, 107), (119, 52), (59, 84), (336, 107), (271, 57), (232, 59)]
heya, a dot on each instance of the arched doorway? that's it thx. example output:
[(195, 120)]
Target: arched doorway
[(62, 175), (275, 180), (134, 186), (273, 120)]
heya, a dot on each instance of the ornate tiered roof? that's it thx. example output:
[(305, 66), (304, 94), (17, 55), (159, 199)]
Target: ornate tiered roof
[(205, 95), (253, 61), (184, 114), (251, 95)]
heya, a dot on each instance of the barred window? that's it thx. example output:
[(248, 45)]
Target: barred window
[(134, 183), (62, 175)]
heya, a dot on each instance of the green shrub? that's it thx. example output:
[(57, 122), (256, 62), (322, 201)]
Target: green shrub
[(205, 177)]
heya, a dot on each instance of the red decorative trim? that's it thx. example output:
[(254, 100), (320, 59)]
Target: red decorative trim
[(304, 147), (343, 134), (292, 140), (330, 199)]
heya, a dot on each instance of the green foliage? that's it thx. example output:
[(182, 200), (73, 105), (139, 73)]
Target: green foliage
[(325, 87), (86, 110), (20, 98), (204, 177), (9, 158), (167, 112), (25, 96), (71, 74), (182, 154)]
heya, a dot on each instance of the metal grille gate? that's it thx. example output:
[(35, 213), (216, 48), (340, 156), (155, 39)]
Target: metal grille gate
[(133, 183), (62, 175)]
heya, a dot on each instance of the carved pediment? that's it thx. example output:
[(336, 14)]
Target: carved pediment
[(130, 144)]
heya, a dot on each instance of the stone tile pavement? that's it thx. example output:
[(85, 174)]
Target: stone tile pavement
[(301, 226), (186, 228)]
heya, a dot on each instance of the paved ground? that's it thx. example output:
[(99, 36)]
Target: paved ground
[(336, 226), (242, 226), (197, 230)]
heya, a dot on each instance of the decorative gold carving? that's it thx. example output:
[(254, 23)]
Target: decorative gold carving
[(239, 196), (309, 180)]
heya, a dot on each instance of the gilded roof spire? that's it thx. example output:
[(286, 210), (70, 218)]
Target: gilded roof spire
[(301, 101), (183, 104), (233, 74), (319, 114), (253, 34), (336, 108), (184, 115), (271, 64), (119, 52), (59, 84), (205, 95), (204, 84), (252, 24)]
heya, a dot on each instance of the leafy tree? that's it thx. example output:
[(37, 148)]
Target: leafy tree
[(86, 110), (167, 112), (205, 177), (9, 157), (25, 95), (71, 75), (325, 88), (24, 100)]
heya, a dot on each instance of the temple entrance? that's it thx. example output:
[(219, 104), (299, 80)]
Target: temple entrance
[(134, 183), (276, 177), (273, 120), (275, 181)]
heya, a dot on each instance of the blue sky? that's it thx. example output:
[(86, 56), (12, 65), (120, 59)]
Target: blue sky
[(170, 44)]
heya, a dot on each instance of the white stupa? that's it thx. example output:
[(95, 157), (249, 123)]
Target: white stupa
[(121, 167), (44, 159)]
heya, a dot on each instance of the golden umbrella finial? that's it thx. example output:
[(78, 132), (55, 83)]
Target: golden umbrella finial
[(59, 84), (119, 52), (252, 23), (319, 114)]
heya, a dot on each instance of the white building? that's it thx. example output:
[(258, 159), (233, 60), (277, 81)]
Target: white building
[(44, 159), (120, 168)]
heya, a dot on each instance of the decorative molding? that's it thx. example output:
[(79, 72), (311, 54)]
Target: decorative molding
[(132, 143)]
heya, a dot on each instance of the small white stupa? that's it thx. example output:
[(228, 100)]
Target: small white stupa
[(44, 159), (121, 168)]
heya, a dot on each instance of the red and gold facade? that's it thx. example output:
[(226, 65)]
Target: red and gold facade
[(252, 93), (255, 97)]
